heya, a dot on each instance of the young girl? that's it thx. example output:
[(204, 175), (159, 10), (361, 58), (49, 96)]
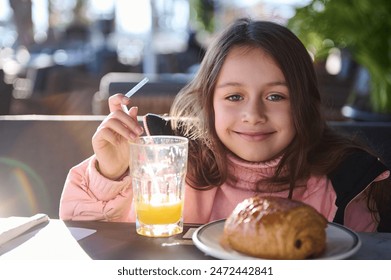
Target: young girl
[(252, 114)]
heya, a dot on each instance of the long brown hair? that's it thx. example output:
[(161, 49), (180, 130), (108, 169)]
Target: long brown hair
[(316, 149)]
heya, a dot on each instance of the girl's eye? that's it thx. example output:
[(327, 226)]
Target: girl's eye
[(235, 97), (275, 97)]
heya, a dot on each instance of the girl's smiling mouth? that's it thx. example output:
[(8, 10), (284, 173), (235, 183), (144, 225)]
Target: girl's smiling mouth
[(254, 135)]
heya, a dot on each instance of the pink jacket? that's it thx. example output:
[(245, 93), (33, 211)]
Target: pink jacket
[(88, 195)]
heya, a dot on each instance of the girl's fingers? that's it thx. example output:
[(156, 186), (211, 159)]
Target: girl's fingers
[(133, 114), (130, 121), (115, 103), (123, 125), (107, 135), (116, 100), (119, 128)]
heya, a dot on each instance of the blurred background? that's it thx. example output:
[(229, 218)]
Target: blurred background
[(56, 56)]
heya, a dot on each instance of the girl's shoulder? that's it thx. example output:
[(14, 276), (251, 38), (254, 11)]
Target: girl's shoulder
[(358, 167), (353, 175)]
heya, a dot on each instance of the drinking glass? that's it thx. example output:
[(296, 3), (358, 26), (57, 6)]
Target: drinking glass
[(158, 166)]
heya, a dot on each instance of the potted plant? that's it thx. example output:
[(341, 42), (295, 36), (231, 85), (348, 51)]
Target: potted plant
[(364, 28)]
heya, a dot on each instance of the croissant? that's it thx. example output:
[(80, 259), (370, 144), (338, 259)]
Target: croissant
[(276, 228)]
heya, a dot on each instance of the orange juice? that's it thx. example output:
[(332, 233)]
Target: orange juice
[(160, 214)]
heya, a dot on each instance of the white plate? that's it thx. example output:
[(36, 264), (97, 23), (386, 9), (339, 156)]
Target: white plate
[(341, 242)]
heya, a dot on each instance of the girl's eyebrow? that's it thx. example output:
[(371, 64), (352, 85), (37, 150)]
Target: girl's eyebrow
[(229, 84), (236, 84), (277, 83)]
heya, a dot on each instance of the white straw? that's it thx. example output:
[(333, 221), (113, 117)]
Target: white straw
[(133, 91)]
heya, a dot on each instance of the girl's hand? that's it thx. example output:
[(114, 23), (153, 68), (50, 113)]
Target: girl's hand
[(110, 141)]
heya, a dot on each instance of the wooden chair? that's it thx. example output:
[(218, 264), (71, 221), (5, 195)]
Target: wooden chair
[(154, 97)]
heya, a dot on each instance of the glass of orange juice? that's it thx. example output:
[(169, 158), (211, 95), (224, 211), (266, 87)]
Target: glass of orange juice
[(158, 166)]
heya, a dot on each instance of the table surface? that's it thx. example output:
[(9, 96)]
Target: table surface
[(119, 241)]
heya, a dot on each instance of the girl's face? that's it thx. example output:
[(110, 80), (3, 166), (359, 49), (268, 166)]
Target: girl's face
[(252, 108)]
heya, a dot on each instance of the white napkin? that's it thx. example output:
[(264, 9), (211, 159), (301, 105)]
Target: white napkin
[(14, 226)]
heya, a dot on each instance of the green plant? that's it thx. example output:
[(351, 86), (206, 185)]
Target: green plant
[(363, 27), (204, 11)]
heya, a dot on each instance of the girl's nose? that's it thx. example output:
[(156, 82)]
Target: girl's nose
[(254, 112)]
